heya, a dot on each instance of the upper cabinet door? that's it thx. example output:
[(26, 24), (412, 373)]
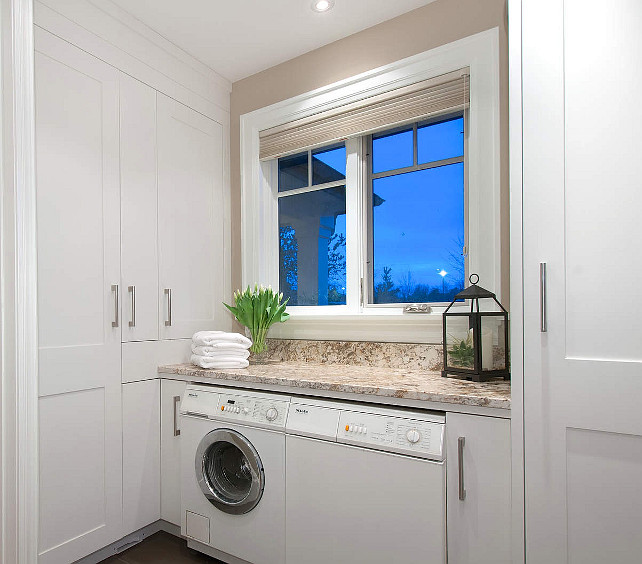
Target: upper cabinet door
[(139, 210), (79, 319), (191, 220)]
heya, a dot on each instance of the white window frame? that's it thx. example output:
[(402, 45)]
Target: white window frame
[(259, 185)]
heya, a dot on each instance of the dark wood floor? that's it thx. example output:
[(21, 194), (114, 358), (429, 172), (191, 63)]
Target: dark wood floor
[(161, 548)]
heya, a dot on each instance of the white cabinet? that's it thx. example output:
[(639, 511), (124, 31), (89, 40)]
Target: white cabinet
[(478, 470), (171, 395), (191, 221), (78, 291), (139, 202), (141, 454)]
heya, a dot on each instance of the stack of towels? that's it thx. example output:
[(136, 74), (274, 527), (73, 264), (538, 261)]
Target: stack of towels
[(218, 349)]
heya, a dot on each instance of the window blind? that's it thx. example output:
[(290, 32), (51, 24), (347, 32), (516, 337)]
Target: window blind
[(439, 95)]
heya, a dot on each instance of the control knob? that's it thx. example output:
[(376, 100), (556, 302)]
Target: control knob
[(413, 436), (271, 414)]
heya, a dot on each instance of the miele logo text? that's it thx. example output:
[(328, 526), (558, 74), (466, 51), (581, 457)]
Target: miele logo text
[(300, 410), (193, 395)]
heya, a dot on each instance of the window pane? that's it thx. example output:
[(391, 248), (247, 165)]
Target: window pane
[(418, 231), (392, 151), (329, 165), (293, 172), (312, 250), (442, 140)]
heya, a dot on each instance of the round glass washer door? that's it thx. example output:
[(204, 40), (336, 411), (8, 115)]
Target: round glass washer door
[(229, 471)]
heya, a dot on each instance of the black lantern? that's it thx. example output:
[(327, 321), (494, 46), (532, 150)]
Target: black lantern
[(476, 341)]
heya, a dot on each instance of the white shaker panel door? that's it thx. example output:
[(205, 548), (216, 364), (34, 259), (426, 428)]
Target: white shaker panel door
[(79, 318), (581, 76), (141, 454), (479, 489), (171, 396), (191, 220), (139, 213)]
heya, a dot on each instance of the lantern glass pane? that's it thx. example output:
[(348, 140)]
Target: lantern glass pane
[(459, 342), (493, 343)]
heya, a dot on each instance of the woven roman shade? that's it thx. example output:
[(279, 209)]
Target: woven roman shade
[(438, 95)]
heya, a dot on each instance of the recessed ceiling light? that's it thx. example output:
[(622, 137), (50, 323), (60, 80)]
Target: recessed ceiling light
[(322, 5)]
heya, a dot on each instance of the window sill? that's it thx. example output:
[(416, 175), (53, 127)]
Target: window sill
[(400, 328)]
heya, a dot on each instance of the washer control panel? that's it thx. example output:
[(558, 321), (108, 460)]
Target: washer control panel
[(264, 410), (405, 435)]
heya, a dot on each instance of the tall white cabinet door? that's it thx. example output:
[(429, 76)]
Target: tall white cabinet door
[(191, 220), (78, 213), (479, 525), (139, 203), (141, 454), (582, 75), (171, 396)]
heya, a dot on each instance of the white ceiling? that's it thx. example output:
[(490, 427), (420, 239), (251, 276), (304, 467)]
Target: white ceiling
[(238, 38)]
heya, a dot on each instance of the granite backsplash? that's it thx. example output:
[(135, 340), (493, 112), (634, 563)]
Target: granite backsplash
[(358, 353)]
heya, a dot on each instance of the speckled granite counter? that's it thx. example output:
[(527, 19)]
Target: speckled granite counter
[(392, 386)]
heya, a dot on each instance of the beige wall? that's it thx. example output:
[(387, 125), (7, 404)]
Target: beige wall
[(437, 23)]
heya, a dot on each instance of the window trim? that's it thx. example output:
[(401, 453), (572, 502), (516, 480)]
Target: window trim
[(259, 209)]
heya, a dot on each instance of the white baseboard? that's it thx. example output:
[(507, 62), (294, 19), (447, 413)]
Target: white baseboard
[(129, 541)]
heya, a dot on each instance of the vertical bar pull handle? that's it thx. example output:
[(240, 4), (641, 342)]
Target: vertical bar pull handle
[(461, 441), (132, 291), (542, 297), (168, 293), (114, 289), (177, 431)]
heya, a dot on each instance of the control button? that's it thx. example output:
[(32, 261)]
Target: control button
[(413, 436), (222, 408), (347, 427), (237, 410), (271, 414), (246, 410), (365, 430)]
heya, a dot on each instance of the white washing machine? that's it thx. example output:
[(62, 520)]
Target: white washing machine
[(233, 474), (365, 485)]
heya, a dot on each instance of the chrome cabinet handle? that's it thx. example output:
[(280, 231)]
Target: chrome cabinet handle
[(168, 293), (460, 461), (132, 291), (542, 298), (114, 289), (177, 431)]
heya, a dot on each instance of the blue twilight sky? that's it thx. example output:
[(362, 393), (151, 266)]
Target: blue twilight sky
[(419, 228)]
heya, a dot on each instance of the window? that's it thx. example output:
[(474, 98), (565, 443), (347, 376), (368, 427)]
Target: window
[(416, 203), (323, 223), (312, 227), (414, 228)]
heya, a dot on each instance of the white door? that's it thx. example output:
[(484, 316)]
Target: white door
[(141, 454), (139, 210), (479, 489), (190, 220), (582, 77), (171, 395), (79, 320)]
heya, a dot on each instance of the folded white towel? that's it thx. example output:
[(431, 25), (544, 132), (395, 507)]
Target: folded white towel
[(209, 338), (219, 362), (218, 350)]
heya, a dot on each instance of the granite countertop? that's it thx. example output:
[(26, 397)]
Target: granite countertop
[(363, 380)]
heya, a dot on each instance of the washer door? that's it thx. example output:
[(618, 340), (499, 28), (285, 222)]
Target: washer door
[(229, 471)]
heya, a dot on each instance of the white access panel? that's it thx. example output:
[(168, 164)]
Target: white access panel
[(141, 455), (346, 504)]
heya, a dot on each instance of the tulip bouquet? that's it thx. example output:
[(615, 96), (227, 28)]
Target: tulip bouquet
[(258, 310)]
